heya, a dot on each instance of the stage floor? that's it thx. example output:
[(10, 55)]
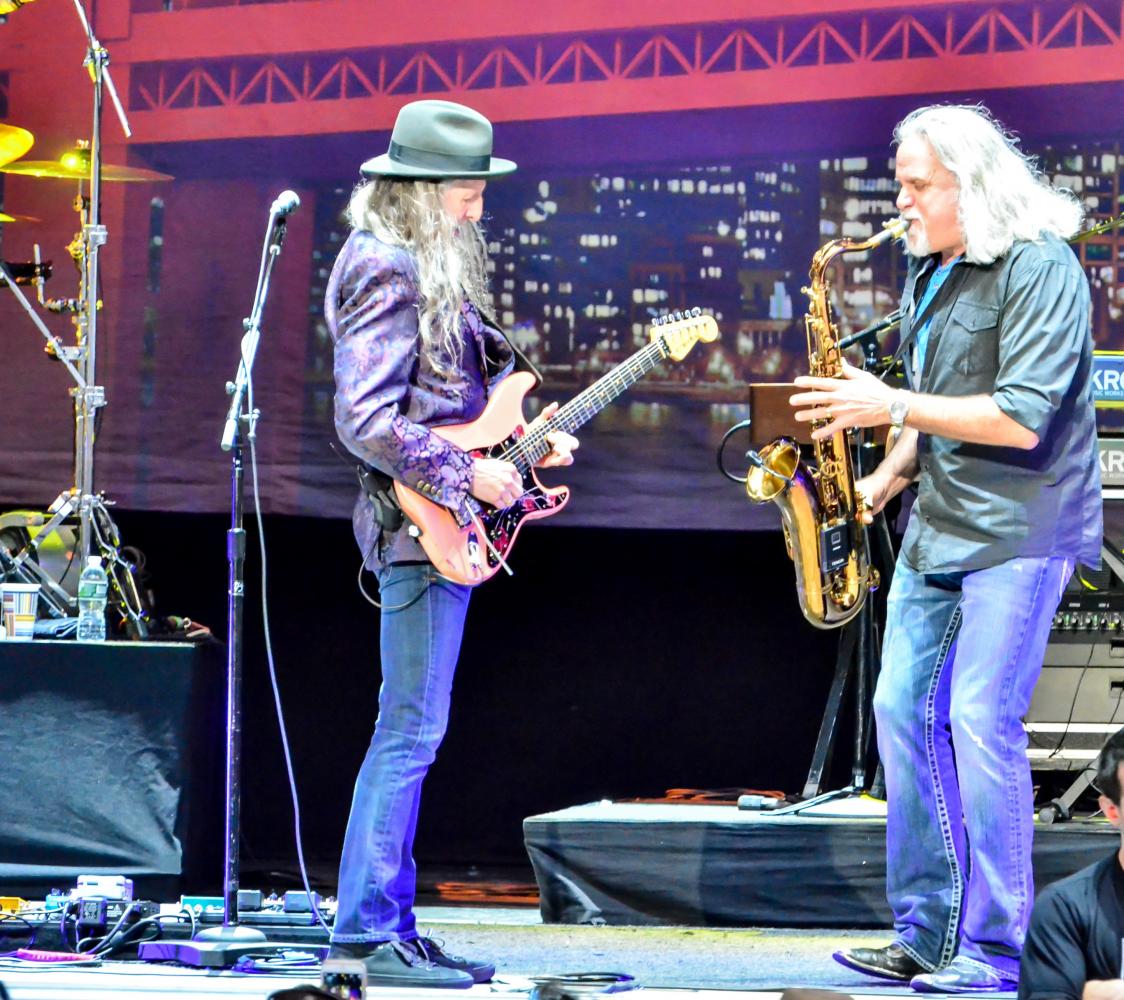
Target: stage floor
[(701, 961), (736, 958)]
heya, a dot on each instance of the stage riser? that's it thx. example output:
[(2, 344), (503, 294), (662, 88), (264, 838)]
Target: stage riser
[(751, 871)]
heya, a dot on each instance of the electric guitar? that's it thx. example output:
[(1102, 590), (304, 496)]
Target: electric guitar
[(472, 546)]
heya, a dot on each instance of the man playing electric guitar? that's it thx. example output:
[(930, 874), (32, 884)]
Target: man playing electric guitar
[(412, 353)]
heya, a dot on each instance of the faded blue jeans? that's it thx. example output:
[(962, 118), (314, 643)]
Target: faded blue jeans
[(960, 659), (419, 646)]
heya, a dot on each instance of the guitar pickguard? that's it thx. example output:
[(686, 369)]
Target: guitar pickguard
[(503, 524)]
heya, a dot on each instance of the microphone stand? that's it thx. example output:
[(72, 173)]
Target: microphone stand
[(859, 653), (225, 945)]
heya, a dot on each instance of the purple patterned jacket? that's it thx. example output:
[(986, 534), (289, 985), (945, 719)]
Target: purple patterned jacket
[(387, 393)]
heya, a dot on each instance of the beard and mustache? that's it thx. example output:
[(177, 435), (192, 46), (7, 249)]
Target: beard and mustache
[(917, 240)]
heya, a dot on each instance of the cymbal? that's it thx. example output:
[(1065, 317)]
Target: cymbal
[(5, 217), (14, 141), (75, 166)]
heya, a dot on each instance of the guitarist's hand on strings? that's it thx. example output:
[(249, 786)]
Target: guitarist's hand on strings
[(562, 445), (496, 482)]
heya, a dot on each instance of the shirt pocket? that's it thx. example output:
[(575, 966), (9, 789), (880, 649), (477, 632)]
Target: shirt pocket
[(973, 332)]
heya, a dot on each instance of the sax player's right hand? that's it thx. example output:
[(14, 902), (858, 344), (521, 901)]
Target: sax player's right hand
[(875, 491)]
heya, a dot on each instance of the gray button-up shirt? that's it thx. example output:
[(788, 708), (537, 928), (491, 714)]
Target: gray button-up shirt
[(1018, 331)]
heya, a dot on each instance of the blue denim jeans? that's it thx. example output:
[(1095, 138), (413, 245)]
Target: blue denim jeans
[(961, 656), (419, 645)]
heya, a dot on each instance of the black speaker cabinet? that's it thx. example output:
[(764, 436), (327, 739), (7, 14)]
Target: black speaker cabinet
[(1079, 699)]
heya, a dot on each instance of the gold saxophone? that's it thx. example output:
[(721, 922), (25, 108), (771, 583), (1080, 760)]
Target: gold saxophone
[(819, 508)]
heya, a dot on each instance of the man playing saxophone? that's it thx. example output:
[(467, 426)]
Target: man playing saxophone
[(997, 428)]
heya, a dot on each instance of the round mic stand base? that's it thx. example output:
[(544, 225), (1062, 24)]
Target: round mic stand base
[(226, 947), (230, 933)]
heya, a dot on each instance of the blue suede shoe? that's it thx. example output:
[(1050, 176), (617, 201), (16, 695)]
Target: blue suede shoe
[(964, 975)]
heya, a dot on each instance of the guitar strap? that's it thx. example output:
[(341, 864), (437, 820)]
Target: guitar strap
[(494, 366), (379, 487)]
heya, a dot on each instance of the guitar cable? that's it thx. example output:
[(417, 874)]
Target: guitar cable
[(369, 599)]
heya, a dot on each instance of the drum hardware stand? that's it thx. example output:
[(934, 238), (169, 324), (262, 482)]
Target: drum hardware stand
[(80, 361), (225, 945)]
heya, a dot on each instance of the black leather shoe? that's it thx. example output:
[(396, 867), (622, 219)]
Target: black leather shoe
[(886, 963), (963, 975), (431, 951), (394, 963)]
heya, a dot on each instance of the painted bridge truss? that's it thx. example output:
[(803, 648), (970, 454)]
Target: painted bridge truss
[(846, 54)]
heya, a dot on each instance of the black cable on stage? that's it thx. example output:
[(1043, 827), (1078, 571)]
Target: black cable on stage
[(273, 675), (742, 425), (33, 928)]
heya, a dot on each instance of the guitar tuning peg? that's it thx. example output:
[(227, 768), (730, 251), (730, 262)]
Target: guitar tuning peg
[(696, 312)]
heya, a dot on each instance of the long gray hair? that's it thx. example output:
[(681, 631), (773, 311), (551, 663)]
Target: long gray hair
[(451, 257), (1003, 196)]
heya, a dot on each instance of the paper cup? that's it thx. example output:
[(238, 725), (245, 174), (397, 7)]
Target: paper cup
[(19, 601)]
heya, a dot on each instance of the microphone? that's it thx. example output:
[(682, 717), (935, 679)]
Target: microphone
[(756, 459), (886, 323), (284, 204)]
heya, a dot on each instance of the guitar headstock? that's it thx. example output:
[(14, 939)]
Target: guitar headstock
[(680, 331)]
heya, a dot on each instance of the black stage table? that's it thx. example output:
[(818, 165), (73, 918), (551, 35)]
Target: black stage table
[(110, 763)]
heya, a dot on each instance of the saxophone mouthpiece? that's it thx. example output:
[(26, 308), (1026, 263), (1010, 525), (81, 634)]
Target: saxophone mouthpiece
[(893, 229)]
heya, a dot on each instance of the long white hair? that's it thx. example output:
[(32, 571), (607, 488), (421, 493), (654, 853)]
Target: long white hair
[(451, 257), (1003, 196)]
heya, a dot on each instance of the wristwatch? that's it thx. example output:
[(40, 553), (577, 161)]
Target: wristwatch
[(899, 410)]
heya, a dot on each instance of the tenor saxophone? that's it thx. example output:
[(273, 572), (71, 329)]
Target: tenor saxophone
[(820, 511)]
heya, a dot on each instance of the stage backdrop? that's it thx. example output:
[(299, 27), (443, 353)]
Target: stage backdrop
[(669, 159)]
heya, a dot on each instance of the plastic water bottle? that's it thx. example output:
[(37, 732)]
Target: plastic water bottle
[(93, 591)]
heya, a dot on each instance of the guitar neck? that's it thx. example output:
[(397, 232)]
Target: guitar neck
[(587, 404)]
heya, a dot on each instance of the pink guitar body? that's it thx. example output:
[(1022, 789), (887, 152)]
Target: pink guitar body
[(462, 553)]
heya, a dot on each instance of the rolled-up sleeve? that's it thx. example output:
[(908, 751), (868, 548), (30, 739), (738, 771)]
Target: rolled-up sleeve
[(1040, 341), (376, 352)]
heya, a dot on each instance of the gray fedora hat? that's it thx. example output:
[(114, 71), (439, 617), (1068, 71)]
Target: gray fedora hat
[(438, 139)]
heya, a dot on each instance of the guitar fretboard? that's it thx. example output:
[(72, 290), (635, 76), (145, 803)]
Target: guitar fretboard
[(533, 446)]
